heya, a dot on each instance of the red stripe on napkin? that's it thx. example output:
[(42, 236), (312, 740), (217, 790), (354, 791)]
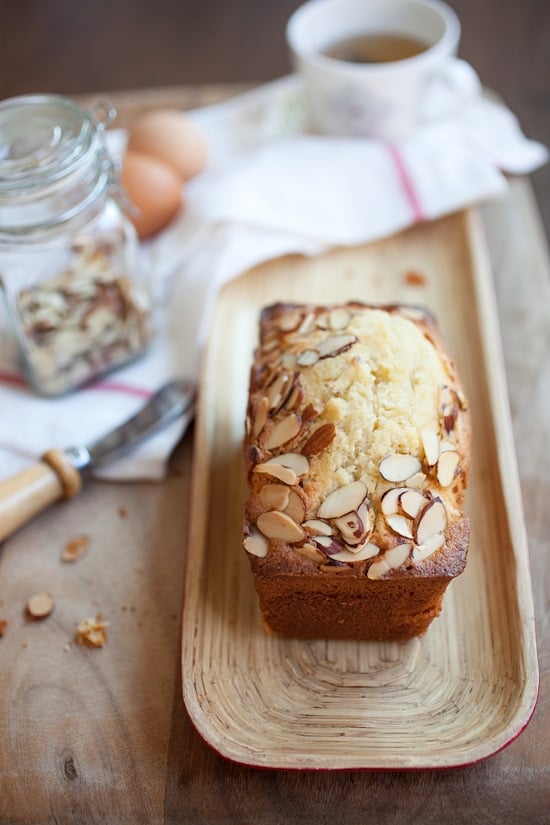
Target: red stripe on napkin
[(105, 386), (406, 183)]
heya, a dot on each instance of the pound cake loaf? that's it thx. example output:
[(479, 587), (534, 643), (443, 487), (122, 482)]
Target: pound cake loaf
[(357, 452)]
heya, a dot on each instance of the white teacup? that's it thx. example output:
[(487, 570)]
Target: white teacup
[(378, 99)]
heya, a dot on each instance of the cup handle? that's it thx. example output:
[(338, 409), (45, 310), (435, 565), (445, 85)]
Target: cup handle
[(455, 83)]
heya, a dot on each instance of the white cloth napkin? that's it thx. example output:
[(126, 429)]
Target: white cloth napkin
[(270, 189)]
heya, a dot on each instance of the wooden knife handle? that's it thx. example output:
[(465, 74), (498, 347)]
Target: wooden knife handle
[(26, 494)]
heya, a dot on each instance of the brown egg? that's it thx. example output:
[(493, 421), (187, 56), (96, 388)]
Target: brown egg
[(153, 188), (172, 137)]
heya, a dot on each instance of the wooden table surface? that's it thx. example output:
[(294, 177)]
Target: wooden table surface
[(102, 736)]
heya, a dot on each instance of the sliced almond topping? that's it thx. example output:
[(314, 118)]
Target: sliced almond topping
[(377, 569), (283, 431), (294, 461), (400, 525), (284, 474), (328, 544), (430, 442), (389, 503), (354, 527), (256, 544), (307, 324), (399, 467), (316, 527), (446, 467), (429, 547), (274, 496), (416, 481), (40, 606), (288, 360), (319, 440), (307, 358), (295, 398), (333, 567), (397, 555), (343, 500), (432, 520), (278, 390), (279, 526), (412, 313), (310, 552), (289, 321), (411, 502), (338, 318), (322, 321), (446, 447), (269, 344), (295, 508), (366, 551), (260, 416), (335, 345)]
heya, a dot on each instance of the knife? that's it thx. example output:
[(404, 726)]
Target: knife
[(60, 473)]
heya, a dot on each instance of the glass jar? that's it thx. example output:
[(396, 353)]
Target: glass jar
[(70, 266)]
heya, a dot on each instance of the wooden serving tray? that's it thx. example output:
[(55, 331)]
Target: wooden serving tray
[(469, 686)]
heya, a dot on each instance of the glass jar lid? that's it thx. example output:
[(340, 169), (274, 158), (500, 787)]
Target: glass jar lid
[(44, 138)]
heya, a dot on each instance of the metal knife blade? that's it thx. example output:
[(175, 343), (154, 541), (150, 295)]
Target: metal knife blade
[(174, 400)]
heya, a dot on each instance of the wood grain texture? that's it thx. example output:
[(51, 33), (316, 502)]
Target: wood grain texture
[(470, 684), (102, 737)]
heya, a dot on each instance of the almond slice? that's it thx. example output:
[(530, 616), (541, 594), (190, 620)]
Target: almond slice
[(307, 358), (319, 440), (328, 544), (278, 389), (256, 544), (398, 555), (316, 527), (377, 569), (446, 467), (333, 567), (274, 496), (288, 360), (295, 508), (343, 500), (338, 318), (430, 442), (40, 606), (411, 502), (260, 416), (294, 461), (366, 551), (289, 321), (295, 398), (279, 471), (310, 552), (335, 345), (417, 480), (399, 467), (424, 551), (400, 525), (283, 432), (307, 324), (389, 503), (276, 525), (432, 520), (355, 526)]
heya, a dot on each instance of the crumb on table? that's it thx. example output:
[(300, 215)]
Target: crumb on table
[(75, 548), (3, 624), (414, 278), (92, 632)]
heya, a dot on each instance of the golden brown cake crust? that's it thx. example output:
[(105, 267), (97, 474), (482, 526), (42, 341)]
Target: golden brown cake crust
[(357, 452)]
